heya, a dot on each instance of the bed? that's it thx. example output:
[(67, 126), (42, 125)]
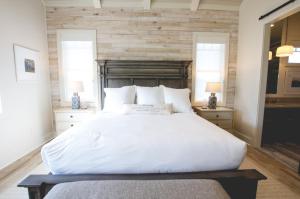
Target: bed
[(151, 147), (134, 144)]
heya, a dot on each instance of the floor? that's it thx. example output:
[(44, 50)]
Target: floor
[(288, 153), (282, 182)]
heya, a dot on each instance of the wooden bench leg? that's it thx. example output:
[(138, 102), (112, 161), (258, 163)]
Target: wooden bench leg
[(237, 189), (36, 192)]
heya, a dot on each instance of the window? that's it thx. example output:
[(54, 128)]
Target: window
[(295, 57), (210, 65), (77, 54)]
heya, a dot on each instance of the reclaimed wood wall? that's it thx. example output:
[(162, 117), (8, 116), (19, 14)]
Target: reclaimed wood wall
[(163, 34)]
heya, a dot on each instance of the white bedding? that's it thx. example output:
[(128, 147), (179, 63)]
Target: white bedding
[(181, 142)]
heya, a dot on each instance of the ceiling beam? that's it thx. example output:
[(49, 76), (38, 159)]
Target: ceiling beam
[(97, 3), (195, 5), (147, 4)]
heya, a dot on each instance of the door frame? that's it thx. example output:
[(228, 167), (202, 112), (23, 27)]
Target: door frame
[(264, 69)]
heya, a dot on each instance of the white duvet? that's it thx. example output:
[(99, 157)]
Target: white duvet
[(143, 144)]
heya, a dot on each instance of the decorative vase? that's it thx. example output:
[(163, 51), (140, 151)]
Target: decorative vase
[(212, 101), (75, 101)]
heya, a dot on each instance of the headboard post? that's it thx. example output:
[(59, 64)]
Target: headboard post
[(118, 73), (100, 72), (185, 73)]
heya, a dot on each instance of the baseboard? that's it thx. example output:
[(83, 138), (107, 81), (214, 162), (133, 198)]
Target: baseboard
[(21, 161), (243, 137)]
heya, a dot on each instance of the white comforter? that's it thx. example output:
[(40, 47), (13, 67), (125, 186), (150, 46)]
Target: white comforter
[(143, 144)]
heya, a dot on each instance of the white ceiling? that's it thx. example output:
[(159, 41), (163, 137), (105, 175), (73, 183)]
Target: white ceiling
[(146, 4)]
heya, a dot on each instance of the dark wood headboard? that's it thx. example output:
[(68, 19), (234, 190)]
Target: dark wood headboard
[(118, 73)]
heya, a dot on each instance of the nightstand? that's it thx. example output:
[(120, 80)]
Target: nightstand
[(221, 116), (66, 118)]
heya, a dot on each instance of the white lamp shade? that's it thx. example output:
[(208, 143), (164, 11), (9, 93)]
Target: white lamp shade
[(270, 55), (77, 86), (284, 51), (213, 87)]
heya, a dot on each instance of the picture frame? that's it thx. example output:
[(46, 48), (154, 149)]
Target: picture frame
[(292, 82), (26, 63)]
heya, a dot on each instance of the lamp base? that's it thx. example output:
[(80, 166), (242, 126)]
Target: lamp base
[(212, 101), (75, 101)]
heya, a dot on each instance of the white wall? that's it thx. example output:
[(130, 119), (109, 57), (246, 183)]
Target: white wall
[(250, 62), (26, 120)]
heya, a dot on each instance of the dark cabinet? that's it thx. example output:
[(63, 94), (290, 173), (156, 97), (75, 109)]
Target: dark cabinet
[(281, 125), (272, 80)]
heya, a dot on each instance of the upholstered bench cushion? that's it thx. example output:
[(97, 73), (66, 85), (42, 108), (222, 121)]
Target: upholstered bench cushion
[(139, 189)]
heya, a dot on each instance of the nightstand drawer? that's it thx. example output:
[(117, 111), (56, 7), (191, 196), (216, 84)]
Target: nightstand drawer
[(224, 124), (218, 115), (71, 117), (66, 118), (62, 126)]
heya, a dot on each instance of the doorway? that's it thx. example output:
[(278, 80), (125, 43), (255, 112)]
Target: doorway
[(281, 121)]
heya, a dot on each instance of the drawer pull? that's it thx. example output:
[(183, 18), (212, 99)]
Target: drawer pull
[(71, 125), (217, 116), (71, 116)]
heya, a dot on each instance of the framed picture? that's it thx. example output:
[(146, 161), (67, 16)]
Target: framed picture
[(26, 61), (292, 82)]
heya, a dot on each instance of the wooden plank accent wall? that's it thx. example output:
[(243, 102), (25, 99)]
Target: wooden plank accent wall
[(138, 34)]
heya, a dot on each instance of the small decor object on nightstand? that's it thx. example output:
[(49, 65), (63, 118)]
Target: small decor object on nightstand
[(77, 87), (213, 88)]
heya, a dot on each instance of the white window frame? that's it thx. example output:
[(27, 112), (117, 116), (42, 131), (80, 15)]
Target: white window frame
[(76, 35), (210, 37), (297, 48)]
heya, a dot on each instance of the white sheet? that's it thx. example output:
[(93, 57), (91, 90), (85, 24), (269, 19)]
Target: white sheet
[(181, 142)]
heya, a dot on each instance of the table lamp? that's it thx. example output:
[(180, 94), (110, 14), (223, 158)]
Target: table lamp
[(77, 86), (213, 88)]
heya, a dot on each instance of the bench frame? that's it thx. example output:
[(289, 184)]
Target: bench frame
[(237, 183)]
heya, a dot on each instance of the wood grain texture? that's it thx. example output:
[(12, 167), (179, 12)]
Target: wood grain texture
[(195, 5), (279, 171), (155, 4), (138, 34)]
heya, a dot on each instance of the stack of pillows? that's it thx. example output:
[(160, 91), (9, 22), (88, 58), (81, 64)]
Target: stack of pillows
[(147, 100)]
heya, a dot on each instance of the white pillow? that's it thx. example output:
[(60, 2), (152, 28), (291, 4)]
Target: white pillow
[(116, 97), (163, 109), (149, 95), (179, 98)]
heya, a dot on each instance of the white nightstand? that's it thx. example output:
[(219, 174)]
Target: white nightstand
[(66, 117), (221, 116)]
